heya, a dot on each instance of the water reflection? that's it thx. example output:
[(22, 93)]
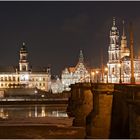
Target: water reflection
[(23, 111)]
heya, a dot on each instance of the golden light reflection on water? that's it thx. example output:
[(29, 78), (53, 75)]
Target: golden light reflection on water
[(43, 111), (3, 114), (31, 111)]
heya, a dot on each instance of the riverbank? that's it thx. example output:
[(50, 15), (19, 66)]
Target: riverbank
[(25, 101), (40, 128)]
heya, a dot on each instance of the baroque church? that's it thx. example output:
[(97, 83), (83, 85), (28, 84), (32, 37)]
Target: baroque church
[(77, 74), (119, 64), (25, 76)]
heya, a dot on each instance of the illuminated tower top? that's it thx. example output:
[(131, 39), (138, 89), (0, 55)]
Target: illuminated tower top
[(23, 62), (123, 41), (81, 57), (114, 36), (124, 49), (114, 49)]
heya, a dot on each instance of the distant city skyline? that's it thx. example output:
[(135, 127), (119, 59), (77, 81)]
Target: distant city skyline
[(55, 32)]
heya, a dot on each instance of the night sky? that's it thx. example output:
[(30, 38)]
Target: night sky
[(54, 32)]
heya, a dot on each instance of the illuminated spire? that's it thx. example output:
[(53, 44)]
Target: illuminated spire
[(114, 28), (123, 28), (81, 57), (123, 40), (23, 43), (124, 50)]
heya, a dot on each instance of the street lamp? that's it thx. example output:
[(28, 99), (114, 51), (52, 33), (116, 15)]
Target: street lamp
[(106, 70), (120, 80)]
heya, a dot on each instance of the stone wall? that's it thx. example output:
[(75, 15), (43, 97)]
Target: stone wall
[(80, 103), (106, 110), (99, 120)]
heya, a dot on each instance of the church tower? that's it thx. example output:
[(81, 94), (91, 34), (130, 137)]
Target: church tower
[(114, 43), (114, 54), (124, 49), (23, 62)]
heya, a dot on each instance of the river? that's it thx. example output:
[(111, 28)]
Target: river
[(32, 111)]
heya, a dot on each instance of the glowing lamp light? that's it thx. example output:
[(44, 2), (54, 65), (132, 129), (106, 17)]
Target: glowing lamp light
[(36, 91), (92, 73), (97, 72), (119, 65), (106, 69)]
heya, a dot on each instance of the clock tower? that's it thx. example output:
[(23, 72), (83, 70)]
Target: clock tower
[(23, 62)]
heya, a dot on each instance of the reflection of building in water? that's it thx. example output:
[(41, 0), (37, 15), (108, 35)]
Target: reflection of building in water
[(31, 112), (3, 114), (57, 113), (24, 75), (119, 64), (77, 74), (36, 113), (43, 111)]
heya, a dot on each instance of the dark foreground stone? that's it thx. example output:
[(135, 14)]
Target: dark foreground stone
[(41, 132)]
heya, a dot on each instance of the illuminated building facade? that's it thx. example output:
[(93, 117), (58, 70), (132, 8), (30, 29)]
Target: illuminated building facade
[(77, 74), (119, 64), (57, 86), (25, 76)]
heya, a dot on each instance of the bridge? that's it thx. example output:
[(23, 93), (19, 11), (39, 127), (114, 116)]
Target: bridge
[(106, 110)]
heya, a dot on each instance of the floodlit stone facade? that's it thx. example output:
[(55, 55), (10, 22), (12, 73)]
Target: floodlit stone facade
[(119, 64), (77, 74), (24, 76)]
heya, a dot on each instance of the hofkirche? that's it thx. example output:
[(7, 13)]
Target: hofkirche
[(23, 75), (118, 68), (119, 58)]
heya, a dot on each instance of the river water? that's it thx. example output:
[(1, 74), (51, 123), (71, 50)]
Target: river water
[(31, 111)]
